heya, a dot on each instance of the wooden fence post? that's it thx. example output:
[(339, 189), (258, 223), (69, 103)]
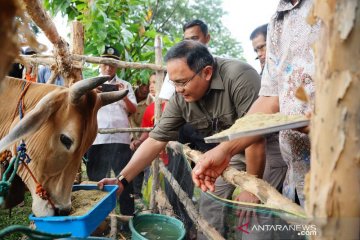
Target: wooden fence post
[(159, 80)]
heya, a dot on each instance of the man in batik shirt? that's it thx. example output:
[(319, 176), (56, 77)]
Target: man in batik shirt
[(289, 65)]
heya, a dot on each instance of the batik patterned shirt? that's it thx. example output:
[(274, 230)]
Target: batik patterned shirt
[(290, 64)]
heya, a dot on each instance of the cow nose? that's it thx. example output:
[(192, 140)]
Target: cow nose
[(62, 211)]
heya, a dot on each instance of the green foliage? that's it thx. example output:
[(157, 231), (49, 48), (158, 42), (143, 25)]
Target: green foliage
[(131, 27), (19, 216)]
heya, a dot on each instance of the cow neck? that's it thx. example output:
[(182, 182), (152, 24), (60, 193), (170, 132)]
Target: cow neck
[(20, 104), (43, 194)]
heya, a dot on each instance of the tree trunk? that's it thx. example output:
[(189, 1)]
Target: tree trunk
[(333, 194)]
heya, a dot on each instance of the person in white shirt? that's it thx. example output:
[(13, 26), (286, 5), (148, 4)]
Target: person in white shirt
[(112, 151)]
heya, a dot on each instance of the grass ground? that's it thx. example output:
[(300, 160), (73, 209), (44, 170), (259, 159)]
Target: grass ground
[(19, 216)]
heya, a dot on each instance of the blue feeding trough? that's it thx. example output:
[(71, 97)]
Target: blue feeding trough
[(80, 226)]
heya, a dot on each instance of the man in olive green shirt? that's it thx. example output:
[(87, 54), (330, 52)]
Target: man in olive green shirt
[(211, 93)]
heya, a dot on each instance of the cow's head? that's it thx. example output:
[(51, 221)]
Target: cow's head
[(58, 131)]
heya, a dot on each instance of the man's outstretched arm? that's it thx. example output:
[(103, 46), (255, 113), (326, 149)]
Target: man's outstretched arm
[(142, 158), (214, 161)]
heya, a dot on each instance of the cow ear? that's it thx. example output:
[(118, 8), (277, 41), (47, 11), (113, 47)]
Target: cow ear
[(32, 121)]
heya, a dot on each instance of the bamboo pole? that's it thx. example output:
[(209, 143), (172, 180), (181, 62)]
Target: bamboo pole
[(268, 195), (201, 223)]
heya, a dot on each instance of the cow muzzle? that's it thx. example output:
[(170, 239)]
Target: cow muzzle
[(62, 211)]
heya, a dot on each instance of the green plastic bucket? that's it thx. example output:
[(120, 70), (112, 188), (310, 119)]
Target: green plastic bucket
[(156, 226)]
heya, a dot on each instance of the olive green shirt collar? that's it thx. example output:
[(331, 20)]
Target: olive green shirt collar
[(216, 79)]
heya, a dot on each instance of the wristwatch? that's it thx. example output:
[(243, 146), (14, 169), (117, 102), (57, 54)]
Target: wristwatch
[(123, 180)]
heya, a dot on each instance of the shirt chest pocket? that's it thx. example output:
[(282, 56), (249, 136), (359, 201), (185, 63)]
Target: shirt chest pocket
[(211, 126), (200, 124), (226, 121)]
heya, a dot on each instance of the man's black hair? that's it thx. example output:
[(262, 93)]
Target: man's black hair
[(196, 22), (261, 30), (196, 54)]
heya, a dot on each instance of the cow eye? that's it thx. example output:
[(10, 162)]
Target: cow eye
[(66, 141)]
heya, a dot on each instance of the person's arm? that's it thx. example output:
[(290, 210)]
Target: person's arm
[(255, 153), (137, 142), (129, 99), (146, 153), (214, 161), (255, 165), (130, 106), (255, 158), (143, 157)]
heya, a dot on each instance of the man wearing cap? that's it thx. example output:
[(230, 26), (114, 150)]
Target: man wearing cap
[(112, 151)]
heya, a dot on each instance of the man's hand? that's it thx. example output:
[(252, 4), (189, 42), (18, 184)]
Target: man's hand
[(245, 196), (121, 86), (210, 167), (111, 181), (135, 144)]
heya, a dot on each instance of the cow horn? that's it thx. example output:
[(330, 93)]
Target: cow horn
[(81, 87), (110, 97)]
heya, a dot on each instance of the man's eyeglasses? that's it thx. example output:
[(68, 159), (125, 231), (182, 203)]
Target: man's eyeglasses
[(183, 84)]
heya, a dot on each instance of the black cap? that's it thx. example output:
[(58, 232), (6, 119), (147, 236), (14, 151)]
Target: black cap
[(111, 52), (29, 51)]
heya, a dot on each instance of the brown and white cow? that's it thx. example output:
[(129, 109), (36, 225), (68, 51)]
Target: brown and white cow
[(58, 127)]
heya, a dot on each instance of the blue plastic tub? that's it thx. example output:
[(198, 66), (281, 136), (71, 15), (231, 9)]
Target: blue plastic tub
[(79, 226)]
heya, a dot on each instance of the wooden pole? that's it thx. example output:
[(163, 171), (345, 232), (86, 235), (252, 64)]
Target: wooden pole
[(268, 195), (77, 46), (9, 45), (78, 60), (333, 186), (113, 226), (42, 19), (201, 223), (163, 203), (122, 130), (159, 79)]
